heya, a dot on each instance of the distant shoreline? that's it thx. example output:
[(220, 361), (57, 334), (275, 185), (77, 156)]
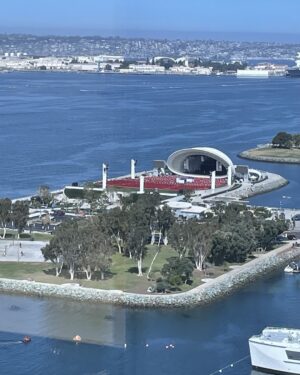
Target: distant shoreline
[(166, 73), (268, 154), (206, 293)]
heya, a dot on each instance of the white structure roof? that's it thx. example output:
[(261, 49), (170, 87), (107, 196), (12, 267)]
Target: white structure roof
[(175, 160)]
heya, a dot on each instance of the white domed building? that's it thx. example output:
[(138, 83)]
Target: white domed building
[(199, 162), (197, 168)]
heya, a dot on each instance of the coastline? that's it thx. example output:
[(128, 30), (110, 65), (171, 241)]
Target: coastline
[(248, 154), (201, 295)]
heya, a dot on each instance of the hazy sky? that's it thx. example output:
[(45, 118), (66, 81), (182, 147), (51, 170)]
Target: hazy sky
[(158, 18)]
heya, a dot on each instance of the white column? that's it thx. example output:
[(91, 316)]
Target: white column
[(132, 169), (229, 176), (213, 180), (142, 185), (104, 176)]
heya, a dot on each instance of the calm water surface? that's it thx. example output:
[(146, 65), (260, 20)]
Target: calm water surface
[(205, 338), (59, 128)]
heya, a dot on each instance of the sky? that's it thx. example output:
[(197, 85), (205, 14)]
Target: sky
[(269, 20)]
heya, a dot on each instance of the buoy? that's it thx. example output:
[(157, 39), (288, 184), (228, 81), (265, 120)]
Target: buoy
[(125, 346), (77, 338), (26, 339)]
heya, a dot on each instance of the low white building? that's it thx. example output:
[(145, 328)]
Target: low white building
[(143, 69)]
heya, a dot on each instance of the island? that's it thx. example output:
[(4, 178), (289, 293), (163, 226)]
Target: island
[(285, 148)]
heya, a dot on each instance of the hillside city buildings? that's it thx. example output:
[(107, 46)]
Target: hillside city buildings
[(144, 56)]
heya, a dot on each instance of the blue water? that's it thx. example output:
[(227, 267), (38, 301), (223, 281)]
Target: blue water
[(205, 338), (59, 128)]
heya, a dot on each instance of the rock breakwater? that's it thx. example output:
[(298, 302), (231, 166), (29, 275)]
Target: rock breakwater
[(203, 294)]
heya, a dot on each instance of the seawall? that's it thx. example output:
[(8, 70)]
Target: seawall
[(203, 294)]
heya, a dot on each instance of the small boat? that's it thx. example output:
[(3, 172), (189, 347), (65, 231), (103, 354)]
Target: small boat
[(276, 351), (292, 268)]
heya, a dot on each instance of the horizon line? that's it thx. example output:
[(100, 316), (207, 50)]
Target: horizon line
[(121, 34)]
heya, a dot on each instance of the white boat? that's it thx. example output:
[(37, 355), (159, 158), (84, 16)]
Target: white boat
[(276, 351), (292, 268)]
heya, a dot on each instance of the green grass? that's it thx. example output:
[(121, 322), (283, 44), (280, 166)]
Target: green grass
[(37, 236), (41, 236), (23, 270), (275, 152), (123, 273)]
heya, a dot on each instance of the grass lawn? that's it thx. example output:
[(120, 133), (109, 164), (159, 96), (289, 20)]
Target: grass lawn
[(123, 272), (276, 152), (37, 236)]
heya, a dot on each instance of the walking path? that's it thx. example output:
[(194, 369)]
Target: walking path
[(21, 251)]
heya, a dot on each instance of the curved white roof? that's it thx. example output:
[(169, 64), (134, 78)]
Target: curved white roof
[(175, 160)]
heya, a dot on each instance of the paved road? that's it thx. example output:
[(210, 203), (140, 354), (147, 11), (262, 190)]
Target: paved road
[(23, 251)]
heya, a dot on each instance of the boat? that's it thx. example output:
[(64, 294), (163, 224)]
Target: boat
[(295, 71), (292, 268), (276, 351)]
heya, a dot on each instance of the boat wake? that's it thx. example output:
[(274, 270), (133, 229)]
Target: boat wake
[(10, 342)]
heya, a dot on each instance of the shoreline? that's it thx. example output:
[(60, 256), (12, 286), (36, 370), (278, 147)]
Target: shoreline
[(206, 293), (248, 154)]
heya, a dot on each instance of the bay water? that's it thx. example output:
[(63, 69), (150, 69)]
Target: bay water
[(58, 128)]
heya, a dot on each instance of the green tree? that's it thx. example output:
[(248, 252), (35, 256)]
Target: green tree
[(95, 249), (177, 271), (53, 252), (283, 140), (178, 237), (20, 212), (137, 241), (233, 243), (115, 222), (296, 140), (164, 221), (45, 194), (162, 285), (5, 214), (199, 241), (68, 238)]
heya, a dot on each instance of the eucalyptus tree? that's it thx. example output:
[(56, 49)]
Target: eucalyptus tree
[(53, 252), (138, 234), (115, 222), (5, 214), (164, 221), (178, 236), (199, 241), (70, 243), (96, 249), (19, 215)]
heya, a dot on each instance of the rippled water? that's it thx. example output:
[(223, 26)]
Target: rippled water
[(205, 338), (59, 128)]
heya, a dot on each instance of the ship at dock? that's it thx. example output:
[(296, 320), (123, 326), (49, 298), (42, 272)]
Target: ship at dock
[(295, 71)]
